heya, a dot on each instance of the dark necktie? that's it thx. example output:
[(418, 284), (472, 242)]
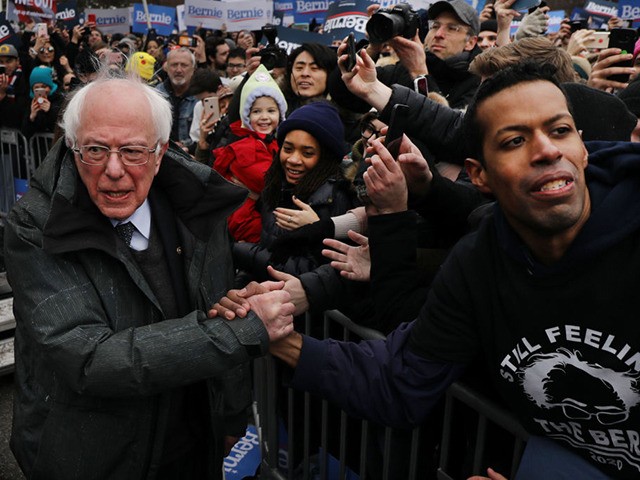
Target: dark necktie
[(125, 231)]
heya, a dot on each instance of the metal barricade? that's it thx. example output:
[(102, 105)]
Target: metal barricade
[(15, 168), (39, 146), (279, 458)]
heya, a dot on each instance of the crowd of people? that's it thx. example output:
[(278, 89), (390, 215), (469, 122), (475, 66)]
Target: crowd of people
[(201, 197)]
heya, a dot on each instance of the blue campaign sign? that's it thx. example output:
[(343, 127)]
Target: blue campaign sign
[(345, 17), (7, 34), (555, 20), (68, 13), (630, 10), (291, 38), (302, 11), (244, 458), (163, 19)]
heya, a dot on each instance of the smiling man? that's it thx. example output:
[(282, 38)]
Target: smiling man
[(543, 294), (114, 255)]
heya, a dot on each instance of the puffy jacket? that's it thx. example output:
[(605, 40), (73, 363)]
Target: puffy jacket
[(96, 359)]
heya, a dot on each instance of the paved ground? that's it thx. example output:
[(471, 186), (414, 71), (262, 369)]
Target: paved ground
[(8, 468)]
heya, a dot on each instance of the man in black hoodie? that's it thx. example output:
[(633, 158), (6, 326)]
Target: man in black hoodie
[(544, 293)]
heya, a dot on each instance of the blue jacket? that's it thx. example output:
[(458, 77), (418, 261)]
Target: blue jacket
[(182, 108)]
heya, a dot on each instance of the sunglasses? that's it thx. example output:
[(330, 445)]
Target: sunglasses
[(46, 49)]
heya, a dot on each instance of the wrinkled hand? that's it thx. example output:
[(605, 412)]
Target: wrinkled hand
[(493, 475), (605, 67), (352, 262), (289, 219), (411, 53), (293, 285), (236, 304), (385, 182), (577, 41), (275, 309)]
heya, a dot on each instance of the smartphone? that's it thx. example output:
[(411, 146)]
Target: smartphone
[(186, 41), (397, 126), (3, 69), (40, 93), (41, 30), (211, 106), (351, 52), (624, 39), (91, 18), (522, 5), (599, 40), (533, 9), (578, 25)]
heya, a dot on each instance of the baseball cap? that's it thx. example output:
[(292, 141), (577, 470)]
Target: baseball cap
[(462, 9), (8, 50)]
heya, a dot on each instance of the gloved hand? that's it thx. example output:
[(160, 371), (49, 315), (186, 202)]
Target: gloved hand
[(306, 239), (533, 24)]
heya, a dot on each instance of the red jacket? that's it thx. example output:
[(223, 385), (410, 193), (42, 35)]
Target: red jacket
[(246, 162)]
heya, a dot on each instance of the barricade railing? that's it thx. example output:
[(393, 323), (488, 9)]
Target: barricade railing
[(19, 158), (290, 453)]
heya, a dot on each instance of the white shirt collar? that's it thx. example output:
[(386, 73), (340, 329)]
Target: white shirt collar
[(141, 219)]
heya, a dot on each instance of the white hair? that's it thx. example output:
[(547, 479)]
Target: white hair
[(160, 108), (173, 52)]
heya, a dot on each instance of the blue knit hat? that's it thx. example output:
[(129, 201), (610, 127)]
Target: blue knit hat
[(42, 75), (321, 120)]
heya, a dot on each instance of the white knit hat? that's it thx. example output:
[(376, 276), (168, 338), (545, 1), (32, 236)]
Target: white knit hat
[(260, 84)]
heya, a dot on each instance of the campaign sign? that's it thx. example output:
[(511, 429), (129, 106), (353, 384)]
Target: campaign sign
[(630, 10), (415, 4), (345, 17), (161, 18), (555, 20), (113, 20), (37, 10), (7, 34), (594, 22), (302, 11), (599, 12), (291, 38), (68, 14), (249, 15), (244, 458)]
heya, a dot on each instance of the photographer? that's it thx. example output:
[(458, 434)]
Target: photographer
[(451, 45)]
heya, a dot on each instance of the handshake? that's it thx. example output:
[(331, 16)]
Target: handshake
[(274, 302)]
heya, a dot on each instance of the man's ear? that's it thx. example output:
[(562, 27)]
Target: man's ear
[(160, 154), (473, 40), (477, 174)]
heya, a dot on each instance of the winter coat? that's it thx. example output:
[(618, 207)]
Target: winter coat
[(246, 161), (96, 359)]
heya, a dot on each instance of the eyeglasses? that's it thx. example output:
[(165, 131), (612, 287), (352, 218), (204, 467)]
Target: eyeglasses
[(46, 49), (368, 130), (449, 27), (132, 155), (236, 65)]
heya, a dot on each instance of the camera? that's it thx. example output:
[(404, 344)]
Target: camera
[(387, 23), (272, 56)]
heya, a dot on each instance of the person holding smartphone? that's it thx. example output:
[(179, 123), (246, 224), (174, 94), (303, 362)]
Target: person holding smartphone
[(14, 88), (45, 103)]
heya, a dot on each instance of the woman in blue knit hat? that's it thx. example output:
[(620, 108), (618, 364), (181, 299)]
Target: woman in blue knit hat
[(304, 184), (45, 103)]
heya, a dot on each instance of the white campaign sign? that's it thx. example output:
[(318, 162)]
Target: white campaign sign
[(237, 15)]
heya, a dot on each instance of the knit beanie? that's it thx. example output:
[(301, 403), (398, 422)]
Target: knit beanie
[(490, 25), (42, 75), (260, 84), (614, 122), (631, 96), (321, 120), (141, 63)]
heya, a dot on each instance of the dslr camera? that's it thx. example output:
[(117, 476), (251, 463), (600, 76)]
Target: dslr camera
[(387, 23), (272, 56)]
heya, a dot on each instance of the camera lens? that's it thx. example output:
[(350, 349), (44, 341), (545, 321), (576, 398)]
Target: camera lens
[(383, 26), (268, 59)]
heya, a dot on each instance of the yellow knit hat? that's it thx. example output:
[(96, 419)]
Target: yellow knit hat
[(141, 63)]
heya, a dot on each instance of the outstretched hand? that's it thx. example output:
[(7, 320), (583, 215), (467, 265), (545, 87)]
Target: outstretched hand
[(352, 262), (236, 302), (290, 219)]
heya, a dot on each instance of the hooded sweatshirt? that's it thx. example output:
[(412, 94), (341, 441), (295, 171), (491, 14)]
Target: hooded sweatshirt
[(560, 343)]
